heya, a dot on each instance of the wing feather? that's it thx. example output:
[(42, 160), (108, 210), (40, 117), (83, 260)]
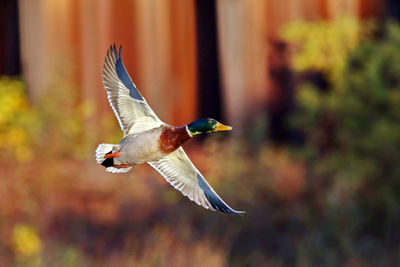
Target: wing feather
[(131, 109), (180, 172)]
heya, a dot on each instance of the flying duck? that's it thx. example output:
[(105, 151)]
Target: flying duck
[(148, 139)]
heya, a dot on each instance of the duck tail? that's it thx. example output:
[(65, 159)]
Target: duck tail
[(101, 152), (101, 157)]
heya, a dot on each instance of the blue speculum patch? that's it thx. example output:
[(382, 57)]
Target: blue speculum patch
[(125, 79)]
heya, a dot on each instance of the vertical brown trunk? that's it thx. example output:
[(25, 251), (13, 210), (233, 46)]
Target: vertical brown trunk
[(209, 90), (9, 38)]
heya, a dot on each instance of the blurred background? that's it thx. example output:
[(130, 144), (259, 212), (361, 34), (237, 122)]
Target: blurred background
[(312, 88)]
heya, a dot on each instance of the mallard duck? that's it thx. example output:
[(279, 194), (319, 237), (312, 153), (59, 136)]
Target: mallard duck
[(149, 140)]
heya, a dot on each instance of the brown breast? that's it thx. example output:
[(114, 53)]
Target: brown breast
[(172, 137)]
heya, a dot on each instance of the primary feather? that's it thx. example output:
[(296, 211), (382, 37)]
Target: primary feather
[(180, 172)]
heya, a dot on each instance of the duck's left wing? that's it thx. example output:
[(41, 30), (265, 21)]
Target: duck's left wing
[(180, 172), (131, 109)]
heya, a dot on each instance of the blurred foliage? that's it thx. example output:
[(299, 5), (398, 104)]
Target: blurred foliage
[(323, 46), (26, 241), (63, 118), (351, 127), (58, 121), (19, 123)]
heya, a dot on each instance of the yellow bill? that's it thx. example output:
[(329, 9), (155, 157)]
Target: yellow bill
[(221, 127)]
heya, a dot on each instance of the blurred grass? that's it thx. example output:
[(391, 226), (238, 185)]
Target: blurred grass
[(331, 200)]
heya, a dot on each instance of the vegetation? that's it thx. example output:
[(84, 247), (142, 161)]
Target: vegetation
[(351, 127), (331, 200)]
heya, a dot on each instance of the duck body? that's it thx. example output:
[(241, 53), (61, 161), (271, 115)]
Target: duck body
[(150, 145), (147, 139)]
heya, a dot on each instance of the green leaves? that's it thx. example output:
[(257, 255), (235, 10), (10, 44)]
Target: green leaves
[(352, 125)]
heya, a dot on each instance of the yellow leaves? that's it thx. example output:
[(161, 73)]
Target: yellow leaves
[(26, 241), (14, 137), (322, 46), (12, 99), (16, 117), (57, 120)]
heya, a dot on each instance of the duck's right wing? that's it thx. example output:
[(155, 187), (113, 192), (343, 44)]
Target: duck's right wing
[(131, 109), (180, 172)]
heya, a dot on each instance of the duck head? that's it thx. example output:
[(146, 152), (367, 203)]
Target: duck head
[(206, 126)]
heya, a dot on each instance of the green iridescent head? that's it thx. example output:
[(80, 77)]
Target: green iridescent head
[(206, 126)]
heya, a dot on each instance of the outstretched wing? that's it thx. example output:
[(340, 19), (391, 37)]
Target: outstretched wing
[(180, 172), (133, 113)]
